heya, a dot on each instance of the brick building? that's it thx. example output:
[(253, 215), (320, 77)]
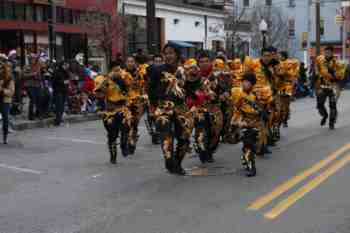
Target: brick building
[(24, 25)]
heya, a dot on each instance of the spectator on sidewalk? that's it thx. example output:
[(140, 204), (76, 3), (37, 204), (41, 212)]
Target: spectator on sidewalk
[(32, 79), (7, 90), (312, 79), (16, 75), (60, 90)]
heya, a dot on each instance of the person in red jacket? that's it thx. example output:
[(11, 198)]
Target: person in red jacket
[(207, 117)]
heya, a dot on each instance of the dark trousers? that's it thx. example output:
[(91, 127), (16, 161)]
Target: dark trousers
[(34, 94), (60, 100), (5, 111), (321, 101)]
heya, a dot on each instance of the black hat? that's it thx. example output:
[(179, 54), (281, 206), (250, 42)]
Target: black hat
[(272, 49), (175, 47), (330, 48), (284, 54), (250, 77)]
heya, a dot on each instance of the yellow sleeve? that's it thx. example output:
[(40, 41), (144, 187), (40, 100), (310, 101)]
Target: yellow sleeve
[(340, 71), (236, 95), (10, 90)]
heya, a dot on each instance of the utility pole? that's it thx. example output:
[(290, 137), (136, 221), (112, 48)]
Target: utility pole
[(307, 52), (318, 27), (151, 15), (344, 34), (51, 23)]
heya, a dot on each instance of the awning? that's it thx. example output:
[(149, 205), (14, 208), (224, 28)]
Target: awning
[(181, 44)]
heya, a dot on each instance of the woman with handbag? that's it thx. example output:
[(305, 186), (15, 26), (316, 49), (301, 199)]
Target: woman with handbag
[(7, 90)]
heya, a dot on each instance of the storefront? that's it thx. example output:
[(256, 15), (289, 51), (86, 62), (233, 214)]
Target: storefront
[(191, 27)]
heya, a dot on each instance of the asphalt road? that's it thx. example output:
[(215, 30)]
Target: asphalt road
[(58, 180)]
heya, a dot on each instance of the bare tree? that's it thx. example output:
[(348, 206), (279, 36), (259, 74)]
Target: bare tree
[(233, 25), (277, 33), (105, 31)]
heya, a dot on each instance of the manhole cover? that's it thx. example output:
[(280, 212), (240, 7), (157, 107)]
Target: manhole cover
[(211, 171)]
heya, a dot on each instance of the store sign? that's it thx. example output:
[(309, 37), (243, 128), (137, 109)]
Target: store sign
[(47, 2), (345, 3)]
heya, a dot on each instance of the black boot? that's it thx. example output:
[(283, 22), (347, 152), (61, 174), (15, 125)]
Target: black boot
[(250, 161), (324, 120), (5, 139), (251, 172), (203, 156), (210, 158), (169, 165), (180, 155), (331, 125), (113, 153)]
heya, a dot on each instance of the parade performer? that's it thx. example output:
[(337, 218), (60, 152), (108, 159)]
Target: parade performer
[(117, 118), (207, 117), (236, 69), (247, 116), (151, 107), (221, 84), (173, 118), (288, 75), (330, 72), (275, 105), (262, 88), (7, 90), (136, 98)]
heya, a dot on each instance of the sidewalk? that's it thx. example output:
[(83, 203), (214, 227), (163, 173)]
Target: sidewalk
[(23, 124)]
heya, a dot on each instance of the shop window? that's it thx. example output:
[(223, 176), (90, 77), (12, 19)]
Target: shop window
[(39, 13), (46, 13), (7, 10), (29, 13), (67, 15), (2, 10), (19, 12), (246, 3), (137, 33), (76, 17), (59, 15)]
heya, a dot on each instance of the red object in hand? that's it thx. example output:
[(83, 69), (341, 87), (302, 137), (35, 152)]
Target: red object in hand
[(89, 85), (200, 99)]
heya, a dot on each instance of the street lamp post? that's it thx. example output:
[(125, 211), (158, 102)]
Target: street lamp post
[(51, 23), (263, 29), (150, 18)]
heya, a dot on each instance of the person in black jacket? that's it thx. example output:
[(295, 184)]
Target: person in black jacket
[(60, 90), (174, 121)]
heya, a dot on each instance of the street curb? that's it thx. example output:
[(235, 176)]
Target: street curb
[(24, 125)]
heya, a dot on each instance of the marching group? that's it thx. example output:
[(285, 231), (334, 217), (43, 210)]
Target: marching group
[(192, 104), (202, 102)]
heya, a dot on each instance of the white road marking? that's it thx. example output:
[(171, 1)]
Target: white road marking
[(19, 169), (76, 140), (96, 175)]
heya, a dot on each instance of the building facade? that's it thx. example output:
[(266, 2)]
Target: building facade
[(24, 25), (296, 14), (191, 25)]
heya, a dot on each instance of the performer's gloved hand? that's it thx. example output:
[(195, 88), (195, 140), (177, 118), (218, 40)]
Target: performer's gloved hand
[(264, 116), (331, 71)]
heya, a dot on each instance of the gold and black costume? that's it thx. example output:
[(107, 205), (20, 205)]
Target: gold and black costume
[(173, 119), (208, 119), (117, 118), (330, 73)]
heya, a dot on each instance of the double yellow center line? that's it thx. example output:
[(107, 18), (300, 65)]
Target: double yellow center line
[(300, 193)]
